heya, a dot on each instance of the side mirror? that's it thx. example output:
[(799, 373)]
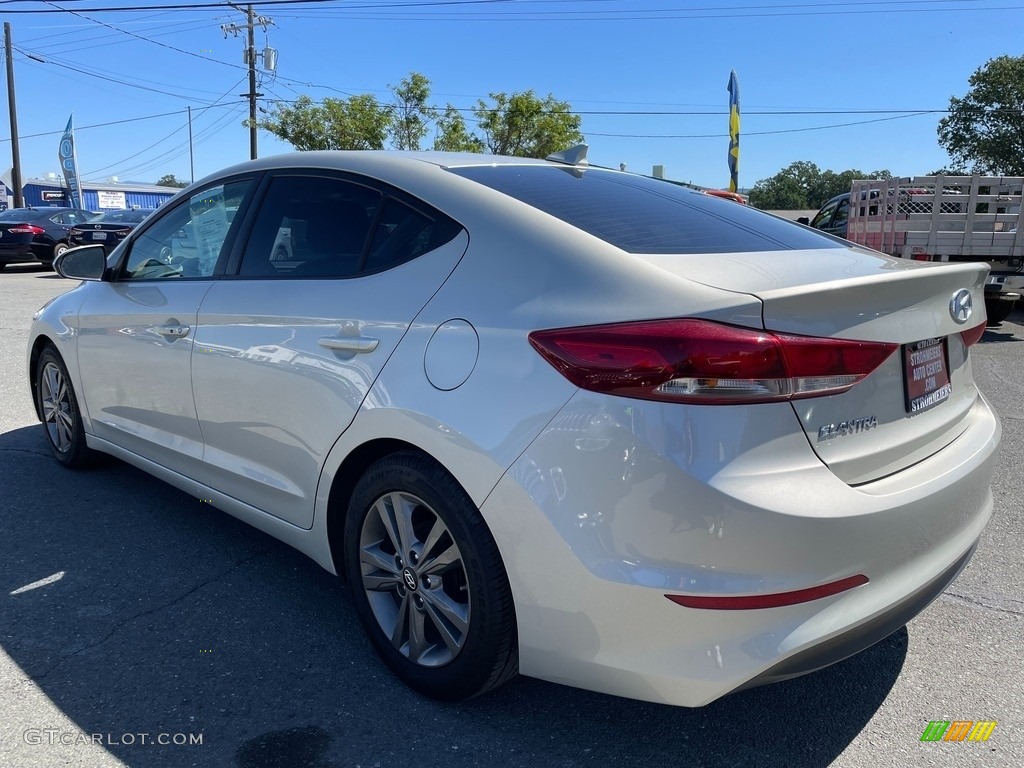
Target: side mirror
[(803, 220), (87, 262)]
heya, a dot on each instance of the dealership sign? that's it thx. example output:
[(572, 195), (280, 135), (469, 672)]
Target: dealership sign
[(111, 200), (53, 194)]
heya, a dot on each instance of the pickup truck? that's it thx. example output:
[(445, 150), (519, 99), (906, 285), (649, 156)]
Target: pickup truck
[(939, 218)]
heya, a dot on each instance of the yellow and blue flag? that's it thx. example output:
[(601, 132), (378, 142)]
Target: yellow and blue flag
[(734, 132)]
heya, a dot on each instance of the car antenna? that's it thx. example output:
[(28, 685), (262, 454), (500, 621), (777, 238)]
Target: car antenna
[(573, 156)]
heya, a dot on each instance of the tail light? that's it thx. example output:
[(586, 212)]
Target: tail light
[(26, 229), (973, 335), (698, 361)]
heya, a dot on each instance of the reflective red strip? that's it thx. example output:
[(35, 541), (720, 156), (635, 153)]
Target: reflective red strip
[(776, 600)]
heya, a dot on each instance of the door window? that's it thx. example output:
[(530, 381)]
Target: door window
[(189, 239), (821, 221), (310, 226), (842, 214)]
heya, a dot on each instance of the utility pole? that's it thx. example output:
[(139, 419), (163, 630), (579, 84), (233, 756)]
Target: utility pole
[(251, 55), (269, 63), (19, 198), (191, 160)]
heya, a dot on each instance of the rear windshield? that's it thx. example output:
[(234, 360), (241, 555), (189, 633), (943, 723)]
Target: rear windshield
[(133, 216), (643, 215), (21, 214)]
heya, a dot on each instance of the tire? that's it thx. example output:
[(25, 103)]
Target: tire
[(439, 613), (62, 421), (998, 310), (3, 266), (58, 249)]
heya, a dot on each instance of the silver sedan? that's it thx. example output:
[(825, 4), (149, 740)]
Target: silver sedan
[(542, 417)]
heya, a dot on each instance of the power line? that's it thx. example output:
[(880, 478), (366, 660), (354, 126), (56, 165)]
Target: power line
[(165, 138), (86, 72), (750, 133), (175, 6), (146, 39), (104, 40), (700, 113), (200, 138), (603, 14), (118, 122), (646, 14), (96, 71)]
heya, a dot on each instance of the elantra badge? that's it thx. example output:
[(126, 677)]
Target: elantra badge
[(843, 428), (961, 306)]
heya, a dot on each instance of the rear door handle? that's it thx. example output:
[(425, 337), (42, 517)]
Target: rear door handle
[(355, 344), (172, 331)]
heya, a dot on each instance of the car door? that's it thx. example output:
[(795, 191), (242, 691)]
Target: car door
[(287, 349), (136, 333)]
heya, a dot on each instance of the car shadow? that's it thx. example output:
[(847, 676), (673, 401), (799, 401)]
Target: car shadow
[(1000, 334), (27, 268), (135, 608)]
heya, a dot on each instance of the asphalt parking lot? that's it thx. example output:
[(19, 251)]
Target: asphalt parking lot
[(172, 622)]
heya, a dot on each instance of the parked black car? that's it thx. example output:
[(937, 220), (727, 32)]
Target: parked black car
[(110, 228), (37, 234)]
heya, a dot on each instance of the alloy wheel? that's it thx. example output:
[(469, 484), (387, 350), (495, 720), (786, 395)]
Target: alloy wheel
[(57, 415), (414, 579)]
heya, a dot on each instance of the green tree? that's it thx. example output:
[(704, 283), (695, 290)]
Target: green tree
[(985, 129), (779, 193), (357, 122), (412, 114), (524, 125), (947, 171), (452, 135), (520, 124), (803, 185), (168, 180)]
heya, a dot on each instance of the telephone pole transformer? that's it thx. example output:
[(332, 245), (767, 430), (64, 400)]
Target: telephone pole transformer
[(250, 55)]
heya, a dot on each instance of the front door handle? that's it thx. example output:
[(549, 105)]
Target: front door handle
[(172, 331), (355, 344)]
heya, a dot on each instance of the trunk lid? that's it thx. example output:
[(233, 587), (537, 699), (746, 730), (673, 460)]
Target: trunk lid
[(903, 412)]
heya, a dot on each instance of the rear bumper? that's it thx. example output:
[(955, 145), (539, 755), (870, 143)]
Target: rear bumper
[(1005, 283), (619, 503), (20, 253), (862, 636)]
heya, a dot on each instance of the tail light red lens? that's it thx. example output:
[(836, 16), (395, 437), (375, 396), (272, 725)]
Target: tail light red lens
[(973, 336), (699, 361), (26, 229)]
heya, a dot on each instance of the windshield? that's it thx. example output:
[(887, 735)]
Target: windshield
[(644, 215)]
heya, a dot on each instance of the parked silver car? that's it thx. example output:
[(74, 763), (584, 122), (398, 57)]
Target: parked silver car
[(544, 417)]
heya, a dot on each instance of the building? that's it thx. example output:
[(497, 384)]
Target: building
[(98, 196)]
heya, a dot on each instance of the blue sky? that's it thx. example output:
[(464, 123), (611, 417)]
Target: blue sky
[(849, 62)]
